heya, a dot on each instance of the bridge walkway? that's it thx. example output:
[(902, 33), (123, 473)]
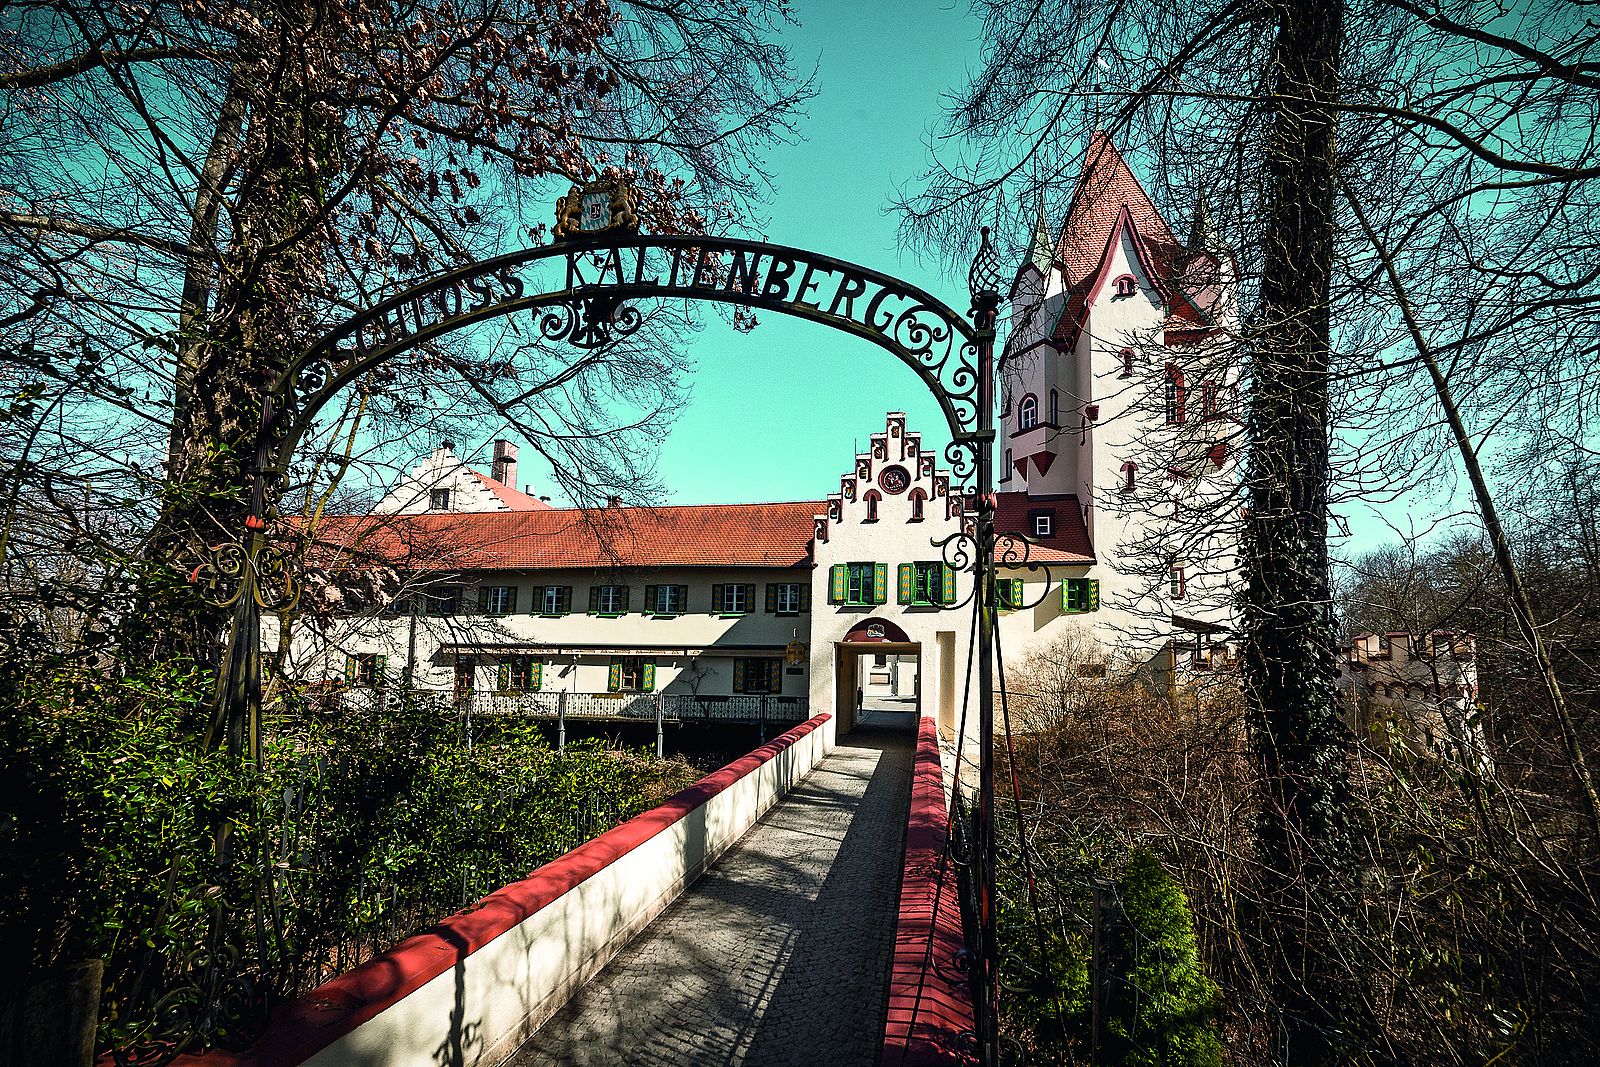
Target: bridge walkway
[(780, 953)]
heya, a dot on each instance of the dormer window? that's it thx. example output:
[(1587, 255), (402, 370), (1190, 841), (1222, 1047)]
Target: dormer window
[(1127, 363), (439, 500), (1127, 285), (1043, 524), (1028, 413)]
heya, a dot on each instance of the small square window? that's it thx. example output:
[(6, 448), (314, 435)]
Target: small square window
[(1043, 524), (439, 500)]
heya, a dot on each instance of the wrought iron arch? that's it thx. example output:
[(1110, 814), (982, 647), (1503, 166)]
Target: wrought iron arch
[(589, 307)]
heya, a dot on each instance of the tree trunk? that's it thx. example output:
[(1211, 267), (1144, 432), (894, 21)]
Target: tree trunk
[(1307, 831)]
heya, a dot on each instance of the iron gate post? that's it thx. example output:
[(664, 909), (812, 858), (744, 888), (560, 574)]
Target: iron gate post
[(983, 281), (561, 721), (661, 741)]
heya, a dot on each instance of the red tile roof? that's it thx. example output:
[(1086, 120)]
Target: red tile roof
[(1069, 542), (512, 498), (704, 535), (1108, 197)]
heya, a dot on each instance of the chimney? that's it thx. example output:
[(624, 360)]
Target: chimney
[(504, 467)]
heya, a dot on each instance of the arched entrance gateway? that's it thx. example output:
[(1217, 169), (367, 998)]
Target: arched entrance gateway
[(869, 670), (582, 290)]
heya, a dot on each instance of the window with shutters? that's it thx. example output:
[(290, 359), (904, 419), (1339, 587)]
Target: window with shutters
[(520, 674), (668, 599), (1178, 585), (365, 669), (629, 672), (1079, 595), (497, 599), (609, 600), (442, 601), (1009, 592), (757, 676), (555, 599), (785, 598), (732, 599), (861, 583), (438, 500), (927, 583)]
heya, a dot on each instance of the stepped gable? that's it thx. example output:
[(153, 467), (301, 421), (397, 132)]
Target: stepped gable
[(700, 535), (515, 499)]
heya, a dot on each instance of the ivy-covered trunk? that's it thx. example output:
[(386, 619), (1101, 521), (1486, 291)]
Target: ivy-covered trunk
[(244, 318), (1307, 832)]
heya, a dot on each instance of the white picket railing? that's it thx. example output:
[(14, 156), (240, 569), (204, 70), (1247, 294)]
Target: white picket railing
[(643, 707)]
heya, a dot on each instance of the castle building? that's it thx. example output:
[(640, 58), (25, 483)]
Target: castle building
[(1114, 459)]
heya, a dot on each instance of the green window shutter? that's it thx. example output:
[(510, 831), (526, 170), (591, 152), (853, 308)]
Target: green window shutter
[(683, 598), (947, 584), (1016, 592), (1066, 594), (906, 583), (536, 676), (775, 676), (738, 675), (772, 598), (594, 599), (838, 583), (1094, 595), (511, 600), (717, 599), (483, 598), (625, 591), (503, 677), (565, 604), (650, 599), (750, 596), (349, 670), (380, 664), (614, 683), (647, 678), (880, 583), (805, 596)]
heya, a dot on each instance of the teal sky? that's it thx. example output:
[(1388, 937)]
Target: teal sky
[(776, 413)]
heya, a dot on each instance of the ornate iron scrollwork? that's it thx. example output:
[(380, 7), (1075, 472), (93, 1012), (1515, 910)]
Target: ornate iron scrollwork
[(590, 323), (219, 573)]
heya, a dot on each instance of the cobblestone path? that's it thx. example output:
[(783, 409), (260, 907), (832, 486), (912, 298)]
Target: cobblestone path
[(779, 954)]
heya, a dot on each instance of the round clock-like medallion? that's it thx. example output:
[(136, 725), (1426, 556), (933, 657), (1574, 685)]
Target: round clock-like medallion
[(894, 479)]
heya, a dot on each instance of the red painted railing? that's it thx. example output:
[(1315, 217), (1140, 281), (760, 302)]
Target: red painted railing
[(930, 1019), (297, 1030)]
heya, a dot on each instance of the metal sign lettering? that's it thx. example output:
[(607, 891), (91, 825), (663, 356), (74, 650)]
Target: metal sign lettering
[(584, 287)]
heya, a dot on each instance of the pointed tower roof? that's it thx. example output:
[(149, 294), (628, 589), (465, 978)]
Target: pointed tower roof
[(1040, 252), (1105, 187), (1203, 235)]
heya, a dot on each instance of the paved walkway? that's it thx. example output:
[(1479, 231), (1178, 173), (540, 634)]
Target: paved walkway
[(779, 955)]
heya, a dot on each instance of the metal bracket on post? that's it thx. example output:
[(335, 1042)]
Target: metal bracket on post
[(561, 721), (661, 741)]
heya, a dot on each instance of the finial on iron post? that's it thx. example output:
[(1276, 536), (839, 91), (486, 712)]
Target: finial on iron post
[(983, 283)]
